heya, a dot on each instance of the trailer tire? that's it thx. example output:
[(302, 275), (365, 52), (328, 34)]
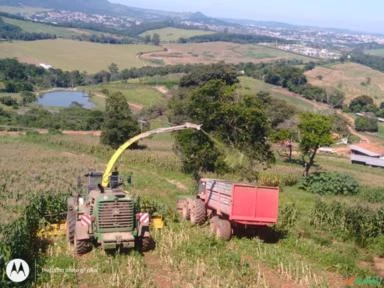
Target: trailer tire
[(213, 224), (82, 246), (198, 213), (224, 229)]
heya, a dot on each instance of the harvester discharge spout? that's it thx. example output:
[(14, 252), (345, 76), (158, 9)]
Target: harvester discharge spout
[(122, 148)]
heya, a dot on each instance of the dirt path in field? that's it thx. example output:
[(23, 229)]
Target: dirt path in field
[(164, 90), (162, 277), (379, 266), (178, 184)]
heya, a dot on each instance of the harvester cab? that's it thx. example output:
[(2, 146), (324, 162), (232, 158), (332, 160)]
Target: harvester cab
[(107, 215)]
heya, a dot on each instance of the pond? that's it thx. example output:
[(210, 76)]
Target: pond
[(64, 98)]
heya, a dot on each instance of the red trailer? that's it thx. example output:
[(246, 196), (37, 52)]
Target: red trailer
[(229, 205)]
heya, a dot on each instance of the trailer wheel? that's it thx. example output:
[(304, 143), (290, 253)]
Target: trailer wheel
[(213, 224), (198, 212), (224, 229), (82, 246)]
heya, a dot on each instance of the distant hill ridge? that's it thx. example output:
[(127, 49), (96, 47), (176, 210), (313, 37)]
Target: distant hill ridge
[(104, 7)]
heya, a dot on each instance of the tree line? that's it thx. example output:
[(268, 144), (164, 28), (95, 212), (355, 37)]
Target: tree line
[(372, 61), (286, 75), (233, 37)]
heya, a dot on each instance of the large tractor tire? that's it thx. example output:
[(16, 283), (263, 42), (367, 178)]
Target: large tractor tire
[(224, 229), (213, 224), (198, 212), (82, 246), (71, 220), (147, 244), (71, 224), (185, 211)]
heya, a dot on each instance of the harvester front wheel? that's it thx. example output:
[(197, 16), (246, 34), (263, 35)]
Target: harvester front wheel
[(198, 212), (147, 244), (82, 246), (71, 221), (224, 229)]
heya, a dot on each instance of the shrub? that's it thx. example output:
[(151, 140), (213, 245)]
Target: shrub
[(366, 124), (271, 180), (330, 183), (290, 180)]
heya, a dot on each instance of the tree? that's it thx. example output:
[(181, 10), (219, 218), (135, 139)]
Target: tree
[(119, 122), (28, 97), (114, 70), (147, 39), (202, 74), (335, 98), (369, 124), (156, 39), (285, 138), (315, 132), (239, 126), (277, 110), (362, 103)]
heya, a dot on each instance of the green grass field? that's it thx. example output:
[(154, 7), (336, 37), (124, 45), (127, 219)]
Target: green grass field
[(75, 55), (349, 78), (250, 86), (25, 10), (61, 32), (138, 95), (174, 34), (376, 52)]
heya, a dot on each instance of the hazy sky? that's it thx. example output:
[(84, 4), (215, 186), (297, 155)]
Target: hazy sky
[(365, 15)]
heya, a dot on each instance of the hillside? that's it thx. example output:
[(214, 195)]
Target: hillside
[(104, 7), (351, 78), (62, 32)]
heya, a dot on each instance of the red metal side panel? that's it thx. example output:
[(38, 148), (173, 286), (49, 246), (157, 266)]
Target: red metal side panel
[(255, 204), (218, 196)]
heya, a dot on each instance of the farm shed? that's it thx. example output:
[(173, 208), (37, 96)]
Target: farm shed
[(367, 154)]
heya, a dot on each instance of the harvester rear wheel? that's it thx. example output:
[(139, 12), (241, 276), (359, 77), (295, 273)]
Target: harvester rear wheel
[(185, 212), (224, 229), (198, 212), (147, 244), (82, 246), (213, 224)]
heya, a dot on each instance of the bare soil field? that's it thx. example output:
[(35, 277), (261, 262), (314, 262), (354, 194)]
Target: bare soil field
[(351, 78), (218, 51)]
